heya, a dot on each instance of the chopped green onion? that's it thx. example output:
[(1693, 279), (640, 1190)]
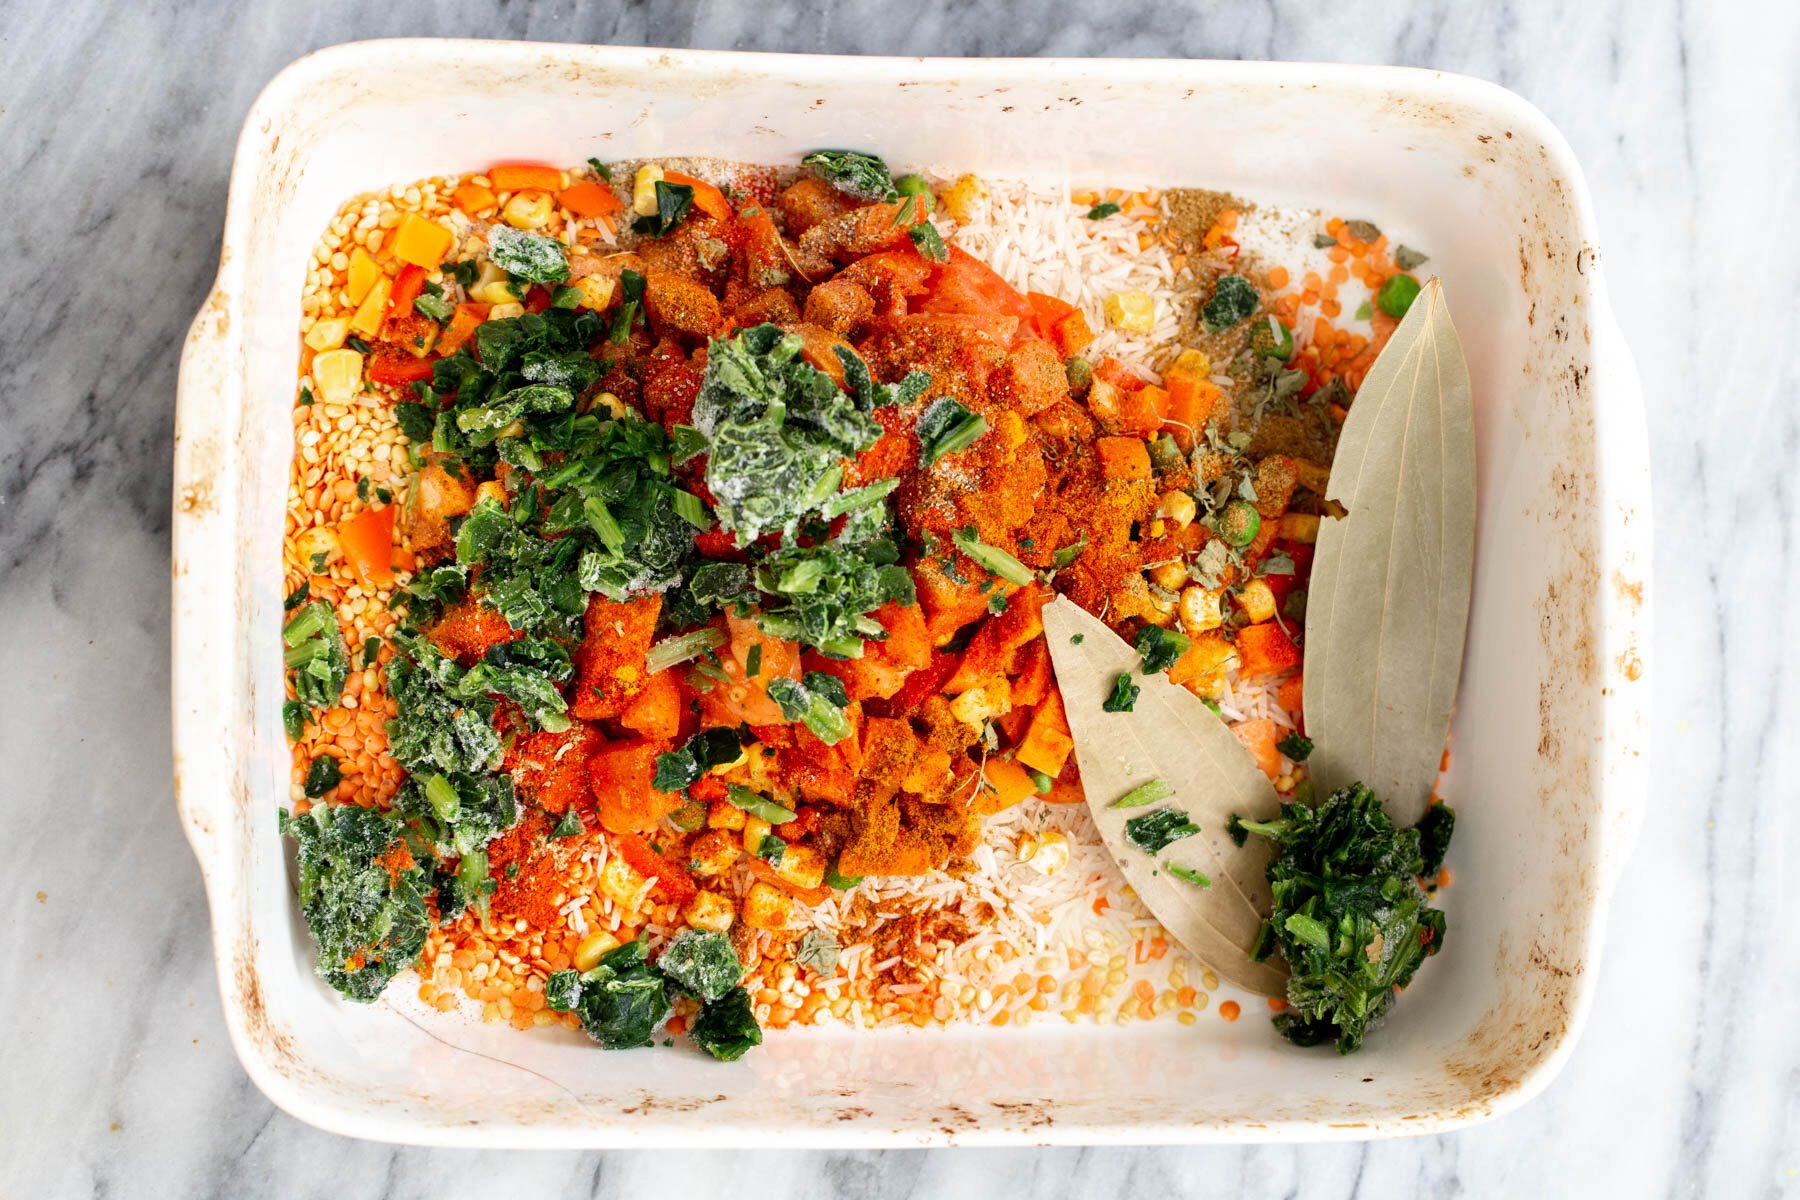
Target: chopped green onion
[(682, 648), (1197, 878), (758, 805), (1144, 793), (564, 296), (600, 519), (995, 560), (692, 509), (1102, 210), (1124, 694), (441, 794), (753, 662)]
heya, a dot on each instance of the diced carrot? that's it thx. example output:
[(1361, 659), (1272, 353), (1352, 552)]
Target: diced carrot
[(1141, 412), (707, 198), (472, 198), (609, 665), (621, 774), (368, 541), (463, 323), (1191, 401), (1266, 649), (1012, 724), (407, 286), (469, 629), (590, 198), (1045, 748), (1289, 694), (1259, 737), (1072, 334), (1122, 458), (513, 177), (1032, 679), (998, 637)]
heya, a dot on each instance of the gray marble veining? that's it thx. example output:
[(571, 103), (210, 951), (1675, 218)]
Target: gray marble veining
[(117, 123)]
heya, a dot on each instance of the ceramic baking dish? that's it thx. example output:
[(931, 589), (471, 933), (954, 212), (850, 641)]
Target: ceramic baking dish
[(1547, 776)]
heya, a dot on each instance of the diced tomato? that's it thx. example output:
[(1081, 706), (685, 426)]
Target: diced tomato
[(928, 680), (1118, 374), (407, 286), (537, 299), (741, 699), (1046, 311), (965, 284), (1283, 585), (368, 542), (463, 324)]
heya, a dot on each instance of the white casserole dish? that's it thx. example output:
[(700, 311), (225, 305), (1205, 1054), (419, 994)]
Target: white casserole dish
[(1547, 776)]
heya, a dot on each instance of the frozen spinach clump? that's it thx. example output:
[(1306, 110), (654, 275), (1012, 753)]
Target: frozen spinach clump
[(361, 894), (777, 428), (1349, 915), (702, 963)]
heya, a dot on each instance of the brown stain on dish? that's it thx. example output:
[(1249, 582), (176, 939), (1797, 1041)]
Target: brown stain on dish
[(651, 1105), (1027, 1114), (1630, 590)]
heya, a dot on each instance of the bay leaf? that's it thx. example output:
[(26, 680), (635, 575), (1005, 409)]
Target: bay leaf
[(1388, 604), (1170, 735)]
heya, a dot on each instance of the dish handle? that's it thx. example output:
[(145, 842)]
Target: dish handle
[(1625, 504), (204, 640)]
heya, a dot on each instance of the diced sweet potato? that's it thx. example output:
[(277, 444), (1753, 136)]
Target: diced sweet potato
[(675, 303), (436, 497), (467, 630), (1122, 459), (839, 305), (1259, 737), (620, 775), (551, 769), (1001, 634), (609, 665), (1266, 649), (1030, 380), (655, 712), (807, 202), (1046, 746)]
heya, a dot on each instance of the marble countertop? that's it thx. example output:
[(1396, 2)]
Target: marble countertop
[(117, 123)]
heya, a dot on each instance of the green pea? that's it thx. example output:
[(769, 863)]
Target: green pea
[(1240, 523), (1396, 295)]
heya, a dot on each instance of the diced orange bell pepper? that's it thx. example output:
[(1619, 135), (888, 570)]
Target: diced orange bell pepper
[(590, 198), (398, 370), (1046, 311), (407, 286), (513, 177), (368, 541), (1266, 649), (707, 198), (655, 712), (1191, 400)]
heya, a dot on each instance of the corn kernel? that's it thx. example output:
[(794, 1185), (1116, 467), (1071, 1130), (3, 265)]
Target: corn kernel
[(767, 907), (337, 374), (802, 866), (1131, 312), (961, 198), (1177, 508), (1192, 363), (755, 830), (1051, 854), (530, 210), (328, 333), (511, 308), (643, 190), (493, 490), (596, 291), (318, 548), (592, 948), (980, 704)]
